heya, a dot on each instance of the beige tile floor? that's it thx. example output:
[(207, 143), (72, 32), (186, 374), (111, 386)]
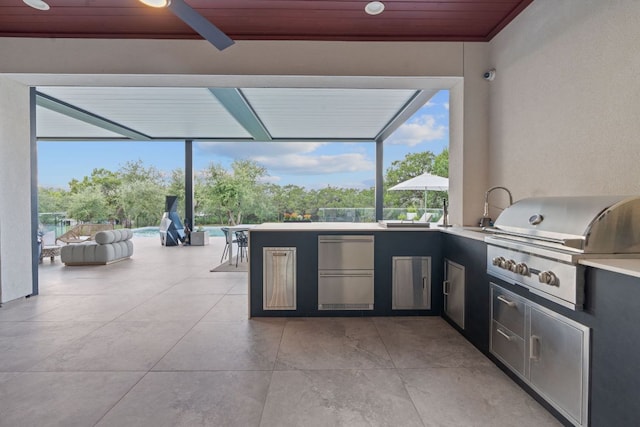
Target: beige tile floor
[(158, 340)]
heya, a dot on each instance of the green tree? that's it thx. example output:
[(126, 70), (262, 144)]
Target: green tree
[(141, 193), (103, 181), (88, 205), (412, 165), (234, 193), (143, 202), (136, 171), (176, 187), (441, 164), (52, 199)]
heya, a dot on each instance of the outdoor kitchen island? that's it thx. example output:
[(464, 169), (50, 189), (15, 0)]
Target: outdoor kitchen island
[(287, 264), (612, 290)]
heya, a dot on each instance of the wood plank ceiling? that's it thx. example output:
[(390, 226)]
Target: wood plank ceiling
[(402, 20)]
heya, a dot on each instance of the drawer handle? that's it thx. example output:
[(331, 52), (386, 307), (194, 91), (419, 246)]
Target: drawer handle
[(424, 282), (445, 287), (346, 275), (504, 334), (279, 254), (506, 301), (534, 348)]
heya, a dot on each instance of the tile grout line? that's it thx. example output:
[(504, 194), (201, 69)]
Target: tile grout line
[(158, 361)]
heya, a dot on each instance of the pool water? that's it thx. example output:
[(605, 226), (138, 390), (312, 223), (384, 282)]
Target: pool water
[(155, 231)]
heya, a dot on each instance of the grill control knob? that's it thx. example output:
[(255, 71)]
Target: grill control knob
[(497, 261), (509, 264), (547, 277), (522, 269), (504, 264), (513, 266)]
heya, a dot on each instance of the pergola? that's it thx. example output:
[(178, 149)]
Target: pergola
[(229, 114)]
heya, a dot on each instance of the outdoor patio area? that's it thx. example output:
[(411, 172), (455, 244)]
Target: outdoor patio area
[(159, 340)]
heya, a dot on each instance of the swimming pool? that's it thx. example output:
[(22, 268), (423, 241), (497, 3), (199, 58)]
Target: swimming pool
[(155, 231)]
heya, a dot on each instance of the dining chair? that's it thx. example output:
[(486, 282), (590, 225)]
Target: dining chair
[(243, 244), (226, 250)]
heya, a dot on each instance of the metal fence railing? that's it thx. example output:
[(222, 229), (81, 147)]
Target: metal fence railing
[(369, 214)]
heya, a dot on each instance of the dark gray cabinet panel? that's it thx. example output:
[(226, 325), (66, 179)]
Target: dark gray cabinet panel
[(388, 244), (472, 254)]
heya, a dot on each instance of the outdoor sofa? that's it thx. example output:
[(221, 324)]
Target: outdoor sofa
[(108, 246)]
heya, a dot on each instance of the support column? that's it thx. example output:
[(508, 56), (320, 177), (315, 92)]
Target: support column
[(35, 221), (379, 180), (188, 182), (17, 235)]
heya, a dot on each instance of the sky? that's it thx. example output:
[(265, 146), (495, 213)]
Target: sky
[(311, 165)]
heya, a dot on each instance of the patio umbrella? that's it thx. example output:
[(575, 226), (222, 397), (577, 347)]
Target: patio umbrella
[(425, 182)]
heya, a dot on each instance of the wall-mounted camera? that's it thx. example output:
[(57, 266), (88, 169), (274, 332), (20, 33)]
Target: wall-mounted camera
[(489, 75)]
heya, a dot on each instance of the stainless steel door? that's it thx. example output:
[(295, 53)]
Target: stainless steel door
[(454, 290), (345, 252), (411, 283), (279, 278), (558, 365)]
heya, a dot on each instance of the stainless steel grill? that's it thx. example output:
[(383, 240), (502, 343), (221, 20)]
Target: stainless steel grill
[(538, 242)]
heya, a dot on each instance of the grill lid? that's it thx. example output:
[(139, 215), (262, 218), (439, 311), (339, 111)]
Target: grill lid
[(589, 224)]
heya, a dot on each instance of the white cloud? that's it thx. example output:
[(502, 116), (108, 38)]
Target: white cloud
[(446, 106), (298, 164), (289, 158), (247, 150), (421, 129)]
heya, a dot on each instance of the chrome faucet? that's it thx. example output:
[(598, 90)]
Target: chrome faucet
[(485, 221), (445, 214)]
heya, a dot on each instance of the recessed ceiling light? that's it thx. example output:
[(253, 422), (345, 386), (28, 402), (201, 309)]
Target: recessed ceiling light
[(37, 4), (156, 3), (374, 8)]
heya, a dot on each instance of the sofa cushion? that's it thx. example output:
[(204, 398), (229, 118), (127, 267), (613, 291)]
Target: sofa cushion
[(112, 236)]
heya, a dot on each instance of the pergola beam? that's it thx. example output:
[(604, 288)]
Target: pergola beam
[(54, 104), (419, 99), (237, 105)]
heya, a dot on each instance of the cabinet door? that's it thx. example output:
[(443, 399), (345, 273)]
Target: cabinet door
[(558, 362), (279, 279), (454, 289), (411, 283)]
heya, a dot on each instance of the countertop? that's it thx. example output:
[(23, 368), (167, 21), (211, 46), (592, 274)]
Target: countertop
[(628, 266), (332, 226), (469, 232)]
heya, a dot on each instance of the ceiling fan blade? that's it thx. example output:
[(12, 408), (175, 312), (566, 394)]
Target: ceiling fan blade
[(206, 29)]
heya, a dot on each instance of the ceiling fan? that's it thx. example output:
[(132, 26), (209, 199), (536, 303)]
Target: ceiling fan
[(199, 23), (192, 18)]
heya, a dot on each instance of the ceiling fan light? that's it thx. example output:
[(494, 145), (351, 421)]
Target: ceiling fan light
[(374, 8), (156, 3), (37, 4)]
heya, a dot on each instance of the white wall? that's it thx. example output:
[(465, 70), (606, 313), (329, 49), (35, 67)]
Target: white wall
[(469, 138), (565, 104), (197, 57), (15, 192)]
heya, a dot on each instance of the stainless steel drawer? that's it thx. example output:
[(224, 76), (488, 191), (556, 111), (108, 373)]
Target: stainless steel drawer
[(508, 310), (507, 346), (345, 290), (345, 252)]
